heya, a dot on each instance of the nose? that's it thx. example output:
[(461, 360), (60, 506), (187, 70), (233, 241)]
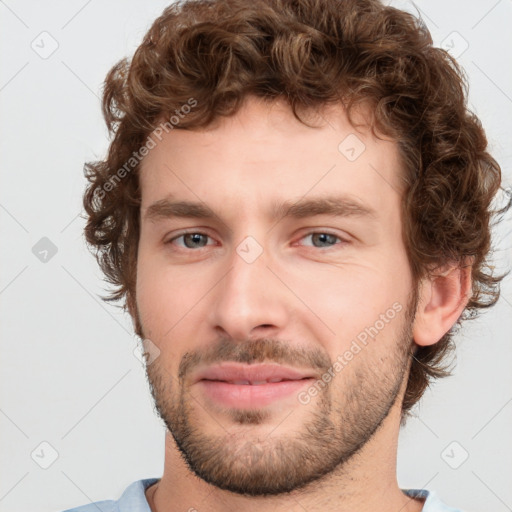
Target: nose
[(250, 300)]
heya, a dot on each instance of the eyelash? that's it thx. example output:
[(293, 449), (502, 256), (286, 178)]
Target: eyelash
[(342, 241)]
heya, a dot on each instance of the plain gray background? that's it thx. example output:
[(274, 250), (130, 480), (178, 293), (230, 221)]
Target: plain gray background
[(69, 376)]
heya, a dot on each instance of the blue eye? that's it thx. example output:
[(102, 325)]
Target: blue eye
[(323, 238), (198, 240), (193, 238)]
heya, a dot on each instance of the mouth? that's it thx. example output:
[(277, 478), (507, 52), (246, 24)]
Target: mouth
[(255, 374), (274, 380), (252, 395), (251, 386)]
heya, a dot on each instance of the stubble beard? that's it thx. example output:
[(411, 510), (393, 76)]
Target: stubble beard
[(342, 418)]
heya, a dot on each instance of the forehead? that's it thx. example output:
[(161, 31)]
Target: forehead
[(263, 154)]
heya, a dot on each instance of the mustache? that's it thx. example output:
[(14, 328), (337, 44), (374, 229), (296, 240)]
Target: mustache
[(261, 350)]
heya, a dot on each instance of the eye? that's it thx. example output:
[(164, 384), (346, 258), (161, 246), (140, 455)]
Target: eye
[(322, 238), (192, 240), (198, 240)]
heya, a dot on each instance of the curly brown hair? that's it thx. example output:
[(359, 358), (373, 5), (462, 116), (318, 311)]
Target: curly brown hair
[(212, 54)]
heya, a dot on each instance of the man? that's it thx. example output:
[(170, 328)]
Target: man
[(295, 208)]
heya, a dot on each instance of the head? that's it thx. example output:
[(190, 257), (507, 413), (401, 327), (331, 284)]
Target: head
[(248, 109)]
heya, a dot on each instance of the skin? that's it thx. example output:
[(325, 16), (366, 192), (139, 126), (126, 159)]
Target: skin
[(301, 303)]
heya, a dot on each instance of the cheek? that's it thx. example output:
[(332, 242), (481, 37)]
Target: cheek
[(351, 298), (156, 295), (170, 298), (162, 311), (161, 298)]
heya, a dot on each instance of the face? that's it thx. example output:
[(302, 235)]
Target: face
[(292, 263)]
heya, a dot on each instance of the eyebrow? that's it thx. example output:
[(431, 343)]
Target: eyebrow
[(338, 206)]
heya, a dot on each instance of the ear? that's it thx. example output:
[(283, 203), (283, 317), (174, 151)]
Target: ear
[(442, 298)]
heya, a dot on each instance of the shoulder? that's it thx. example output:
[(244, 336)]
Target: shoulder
[(133, 499), (432, 501), (97, 506)]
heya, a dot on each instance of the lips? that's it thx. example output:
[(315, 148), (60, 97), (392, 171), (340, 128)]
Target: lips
[(253, 375), (256, 382)]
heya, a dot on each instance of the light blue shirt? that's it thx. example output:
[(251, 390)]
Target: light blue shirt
[(133, 499)]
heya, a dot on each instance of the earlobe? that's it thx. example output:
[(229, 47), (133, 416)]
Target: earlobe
[(442, 298)]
